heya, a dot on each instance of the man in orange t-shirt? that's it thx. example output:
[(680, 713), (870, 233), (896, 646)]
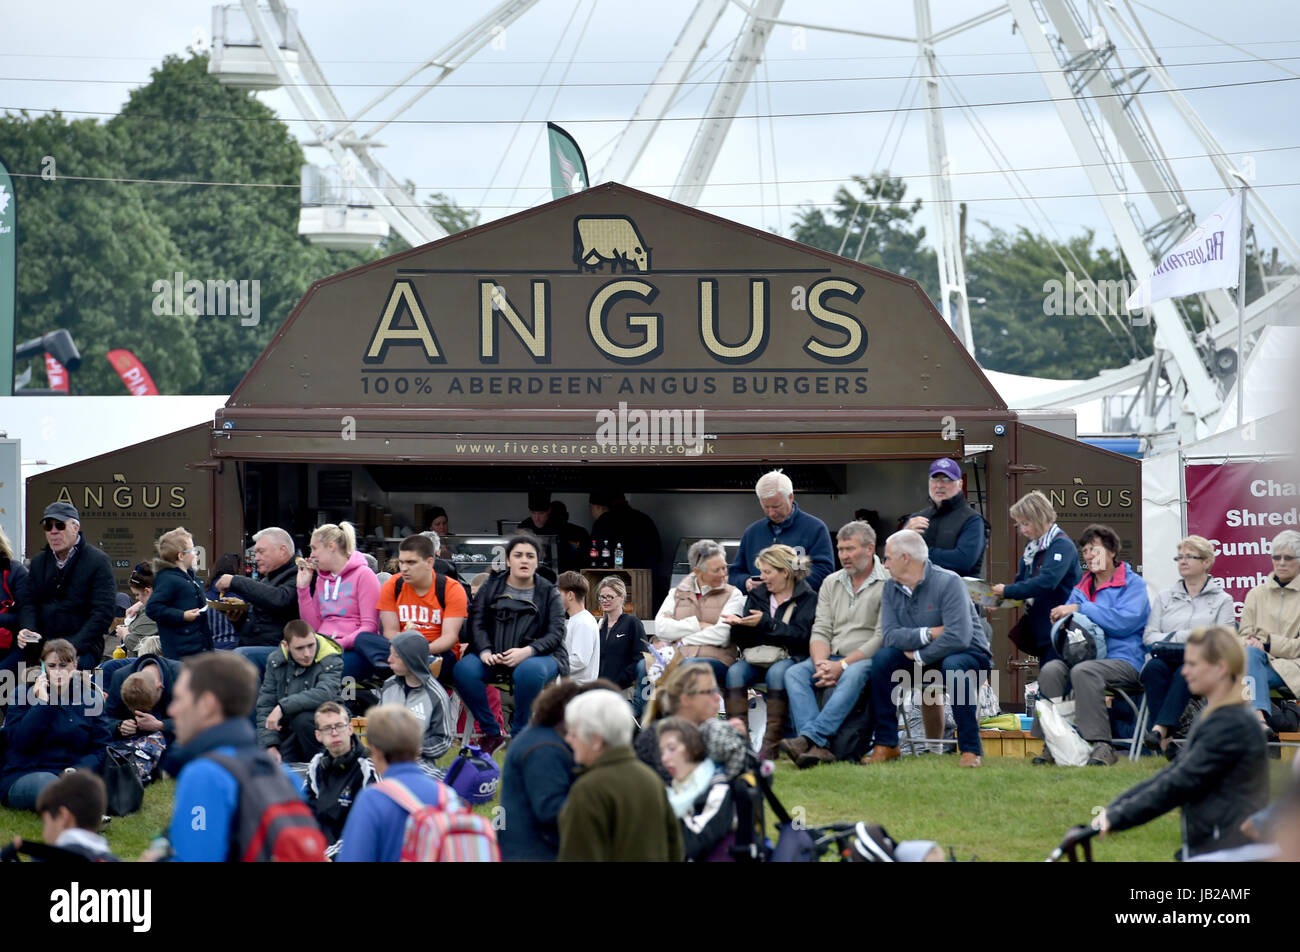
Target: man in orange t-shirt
[(416, 607)]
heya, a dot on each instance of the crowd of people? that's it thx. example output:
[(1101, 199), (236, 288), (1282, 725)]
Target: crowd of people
[(616, 749)]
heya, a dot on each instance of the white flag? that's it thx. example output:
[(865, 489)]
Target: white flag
[(1208, 258)]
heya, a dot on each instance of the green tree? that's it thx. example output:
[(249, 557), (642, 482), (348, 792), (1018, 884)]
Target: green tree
[(88, 253), (872, 224), (184, 125), (1023, 324)]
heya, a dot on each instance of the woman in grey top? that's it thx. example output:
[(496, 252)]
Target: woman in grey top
[(1195, 601)]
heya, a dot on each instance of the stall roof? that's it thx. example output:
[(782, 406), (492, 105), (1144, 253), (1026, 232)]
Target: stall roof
[(608, 297)]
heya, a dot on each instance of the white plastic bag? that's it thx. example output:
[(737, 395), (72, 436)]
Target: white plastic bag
[(1057, 720)]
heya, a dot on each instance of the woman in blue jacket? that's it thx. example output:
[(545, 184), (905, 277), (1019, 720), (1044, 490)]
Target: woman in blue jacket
[(56, 727), (178, 601), (1115, 597), (1048, 570)]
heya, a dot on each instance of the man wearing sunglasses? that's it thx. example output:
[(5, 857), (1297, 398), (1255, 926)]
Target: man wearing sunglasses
[(72, 588)]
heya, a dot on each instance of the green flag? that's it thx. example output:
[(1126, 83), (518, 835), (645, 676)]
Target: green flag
[(568, 167), (8, 278)]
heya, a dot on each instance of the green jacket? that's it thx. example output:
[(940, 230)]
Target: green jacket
[(298, 689), (618, 811)]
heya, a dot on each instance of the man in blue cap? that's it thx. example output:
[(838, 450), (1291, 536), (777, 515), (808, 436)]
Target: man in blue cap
[(953, 531)]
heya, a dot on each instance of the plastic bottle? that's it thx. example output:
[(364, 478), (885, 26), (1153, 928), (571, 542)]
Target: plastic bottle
[(595, 554), (604, 555), (119, 653), (618, 556)]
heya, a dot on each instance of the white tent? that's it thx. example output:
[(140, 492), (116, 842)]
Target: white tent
[(1269, 431)]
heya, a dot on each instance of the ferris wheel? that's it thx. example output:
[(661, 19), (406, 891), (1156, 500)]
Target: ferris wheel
[(1093, 56)]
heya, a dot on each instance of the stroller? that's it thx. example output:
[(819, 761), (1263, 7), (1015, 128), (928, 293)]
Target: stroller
[(1078, 839), (852, 842)]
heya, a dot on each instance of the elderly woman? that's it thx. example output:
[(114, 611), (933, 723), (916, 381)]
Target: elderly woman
[(1195, 601), (690, 691), (1114, 597), (50, 731), (1221, 777), (1048, 571), (772, 635), (691, 615), (617, 809), (1270, 626), (699, 793), (178, 603), (622, 636)]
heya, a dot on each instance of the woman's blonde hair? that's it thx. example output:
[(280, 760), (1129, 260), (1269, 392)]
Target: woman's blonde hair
[(668, 692), (615, 583), (343, 535), (1035, 508), (1219, 643), (6, 547), (785, 559), (1200, 546), (171, 544)]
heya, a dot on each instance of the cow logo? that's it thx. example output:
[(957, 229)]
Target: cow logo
[(612, 238)]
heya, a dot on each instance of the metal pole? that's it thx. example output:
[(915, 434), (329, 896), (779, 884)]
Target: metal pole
[(1241, 316)]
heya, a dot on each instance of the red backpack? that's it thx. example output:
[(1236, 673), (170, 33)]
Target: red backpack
[(272, 824), (439, 832)]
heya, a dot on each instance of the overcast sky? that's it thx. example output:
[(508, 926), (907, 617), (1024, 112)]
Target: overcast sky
[(86, 56)]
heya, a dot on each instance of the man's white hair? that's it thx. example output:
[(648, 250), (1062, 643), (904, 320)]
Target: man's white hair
[(1286, 542), (775, 483), (602, 714), (276, 536), (908, 542)]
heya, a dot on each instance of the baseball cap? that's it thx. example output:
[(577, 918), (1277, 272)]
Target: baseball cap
[(946, 467), (61, 510)]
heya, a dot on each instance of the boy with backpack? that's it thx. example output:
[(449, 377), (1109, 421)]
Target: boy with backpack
[(232, 801), (408, 816)]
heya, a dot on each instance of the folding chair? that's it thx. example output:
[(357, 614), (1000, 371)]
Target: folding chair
[(1139, 719)]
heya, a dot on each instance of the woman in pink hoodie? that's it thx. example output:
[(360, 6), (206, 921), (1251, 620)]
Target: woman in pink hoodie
[(345, 603)]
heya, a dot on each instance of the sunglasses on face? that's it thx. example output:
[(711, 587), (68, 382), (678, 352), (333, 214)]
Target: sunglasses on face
[(51, 524)]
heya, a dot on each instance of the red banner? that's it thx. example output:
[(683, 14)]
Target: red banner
[(1240, 507), (56, 374), (132, 372)]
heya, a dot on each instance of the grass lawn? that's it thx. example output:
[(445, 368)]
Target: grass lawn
[(1007, 810)]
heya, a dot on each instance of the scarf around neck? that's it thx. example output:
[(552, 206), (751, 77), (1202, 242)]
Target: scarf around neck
[(1038, 545), (683, 794)]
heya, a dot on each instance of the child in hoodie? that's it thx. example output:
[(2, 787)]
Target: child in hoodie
[(345, 603), (414, 688), (72, 810)]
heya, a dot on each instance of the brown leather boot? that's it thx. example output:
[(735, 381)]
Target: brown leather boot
[(738, 703), (816, 755), (795, 747), (778, 706), (932, 718), (879, 755)]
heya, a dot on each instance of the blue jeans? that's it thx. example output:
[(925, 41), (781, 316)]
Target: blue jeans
[(1265, 678), (24, 791), (368, 654), (742, 674), (111, 665), (1166, 690), (820, 726), (258, 655), (530, 676), (961, 687)]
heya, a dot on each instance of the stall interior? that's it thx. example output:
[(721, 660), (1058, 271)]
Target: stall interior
[(484, 504)]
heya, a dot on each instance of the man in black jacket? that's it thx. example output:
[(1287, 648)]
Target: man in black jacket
[(72, 588), (338, 773), (272, 601), (615, 521)]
